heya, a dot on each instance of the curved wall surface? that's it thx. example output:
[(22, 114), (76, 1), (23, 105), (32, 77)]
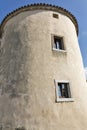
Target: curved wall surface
[(29, 68)]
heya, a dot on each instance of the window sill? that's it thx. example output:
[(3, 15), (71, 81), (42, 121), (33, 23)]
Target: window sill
[(65, 100), (59, 50)]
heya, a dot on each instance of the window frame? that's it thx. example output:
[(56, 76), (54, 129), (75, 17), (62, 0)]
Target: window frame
[(62, 42), (70, 99)]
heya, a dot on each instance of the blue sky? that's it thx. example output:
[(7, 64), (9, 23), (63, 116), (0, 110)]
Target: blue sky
[(77, 7)]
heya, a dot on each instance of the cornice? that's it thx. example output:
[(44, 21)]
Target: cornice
[(39, 7)]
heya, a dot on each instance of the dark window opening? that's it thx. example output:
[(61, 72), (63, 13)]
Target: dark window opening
[(55, 16), (64, 90), (58, 43)]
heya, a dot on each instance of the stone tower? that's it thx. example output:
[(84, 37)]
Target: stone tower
[(42, 82)]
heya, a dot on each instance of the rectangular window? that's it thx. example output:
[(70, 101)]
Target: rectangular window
[(55, 15), (63, 92), (58, 43)]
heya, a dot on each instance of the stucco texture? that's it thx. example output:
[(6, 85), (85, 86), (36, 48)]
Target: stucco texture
[(28, 68)]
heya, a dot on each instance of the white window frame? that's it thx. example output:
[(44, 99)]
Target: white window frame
[(56, 90), (55, 49)]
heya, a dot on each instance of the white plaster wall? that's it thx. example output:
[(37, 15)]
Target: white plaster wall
[(29, 68)]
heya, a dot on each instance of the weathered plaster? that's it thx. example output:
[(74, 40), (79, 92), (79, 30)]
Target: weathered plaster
[(28, 68)]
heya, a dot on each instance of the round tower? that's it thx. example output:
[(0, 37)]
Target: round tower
[(42, 82)]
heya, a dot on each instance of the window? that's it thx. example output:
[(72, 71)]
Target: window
[(55, 15), (63, 91), (58, 43)]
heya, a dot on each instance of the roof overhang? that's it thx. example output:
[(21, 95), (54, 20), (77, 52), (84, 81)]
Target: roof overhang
[(39, 7)]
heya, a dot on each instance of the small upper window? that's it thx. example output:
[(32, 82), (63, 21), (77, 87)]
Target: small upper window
[(63, 91), (58, 43), (55, 15)]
